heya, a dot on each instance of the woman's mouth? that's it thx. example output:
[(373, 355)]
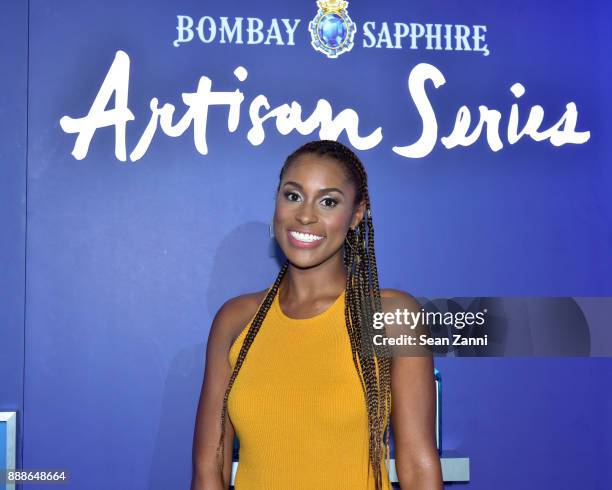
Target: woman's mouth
[(304, 240)]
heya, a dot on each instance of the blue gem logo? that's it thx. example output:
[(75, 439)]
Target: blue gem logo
[(332, 31)]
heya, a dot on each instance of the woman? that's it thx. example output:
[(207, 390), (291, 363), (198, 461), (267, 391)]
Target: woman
[(293, 370)]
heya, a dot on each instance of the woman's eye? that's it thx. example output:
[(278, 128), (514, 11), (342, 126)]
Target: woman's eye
[(329, 202), (292, 196)]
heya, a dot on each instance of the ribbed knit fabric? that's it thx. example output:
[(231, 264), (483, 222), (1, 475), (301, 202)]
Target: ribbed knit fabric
[(298, 407)]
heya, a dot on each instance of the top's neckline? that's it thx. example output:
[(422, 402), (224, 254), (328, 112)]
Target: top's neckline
[(311, 318)]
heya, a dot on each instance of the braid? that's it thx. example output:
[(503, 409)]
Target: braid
[(248, 340), (362, 299), (375, 362)]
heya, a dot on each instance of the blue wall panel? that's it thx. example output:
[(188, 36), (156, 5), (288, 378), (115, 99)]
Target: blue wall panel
[(127, 262), (13, 143)]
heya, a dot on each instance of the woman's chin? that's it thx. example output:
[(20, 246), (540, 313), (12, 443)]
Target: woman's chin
[(302, 261), (306, 259)]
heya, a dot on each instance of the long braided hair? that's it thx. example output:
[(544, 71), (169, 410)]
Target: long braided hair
[(372, 363)]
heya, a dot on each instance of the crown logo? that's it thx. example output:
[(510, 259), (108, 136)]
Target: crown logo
[(332, 6)]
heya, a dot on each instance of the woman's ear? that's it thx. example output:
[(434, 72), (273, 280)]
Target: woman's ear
[(358, 214)]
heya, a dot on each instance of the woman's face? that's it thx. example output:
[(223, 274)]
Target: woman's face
[(314, 210)]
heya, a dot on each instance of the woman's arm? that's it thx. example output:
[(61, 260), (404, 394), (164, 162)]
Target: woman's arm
[(413, 405), (206, 472)]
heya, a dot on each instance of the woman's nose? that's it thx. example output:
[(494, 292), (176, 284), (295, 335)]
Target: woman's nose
[(306, 215)]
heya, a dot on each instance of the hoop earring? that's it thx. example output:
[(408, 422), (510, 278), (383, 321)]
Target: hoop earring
[(271, 230), (347, 240)]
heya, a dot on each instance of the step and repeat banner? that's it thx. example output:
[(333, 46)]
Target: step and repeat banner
[(155, 135)]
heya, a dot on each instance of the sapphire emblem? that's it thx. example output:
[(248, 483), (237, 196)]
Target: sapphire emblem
[(332, 31)]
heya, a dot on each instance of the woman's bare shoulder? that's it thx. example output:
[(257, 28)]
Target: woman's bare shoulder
[(394, 298), (235, 313)]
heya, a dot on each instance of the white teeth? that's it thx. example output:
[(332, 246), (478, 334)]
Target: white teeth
[(305, 237)]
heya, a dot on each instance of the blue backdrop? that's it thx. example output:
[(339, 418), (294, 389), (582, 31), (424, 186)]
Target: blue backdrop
[(103, 333)]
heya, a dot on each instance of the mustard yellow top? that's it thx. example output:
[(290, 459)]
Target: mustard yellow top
[(298, 407)]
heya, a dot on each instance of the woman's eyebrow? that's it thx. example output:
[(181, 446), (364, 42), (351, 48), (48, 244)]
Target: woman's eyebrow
[(321, 191)]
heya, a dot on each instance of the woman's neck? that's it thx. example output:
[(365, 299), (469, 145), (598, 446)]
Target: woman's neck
[(327, 279)]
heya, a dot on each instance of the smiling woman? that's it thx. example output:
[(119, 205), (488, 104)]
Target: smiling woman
[(293, 372)]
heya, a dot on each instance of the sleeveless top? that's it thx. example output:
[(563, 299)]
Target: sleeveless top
[(298, 407)]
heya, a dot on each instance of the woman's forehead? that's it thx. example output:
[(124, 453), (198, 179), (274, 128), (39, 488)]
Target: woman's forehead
[(317, 170)]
